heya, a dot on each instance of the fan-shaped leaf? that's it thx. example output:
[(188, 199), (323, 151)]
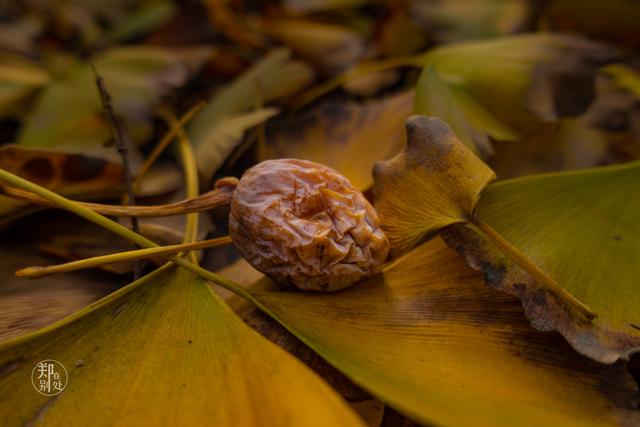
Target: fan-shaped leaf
[(581, 228), (164, 350), (435, 182), (427, 337)]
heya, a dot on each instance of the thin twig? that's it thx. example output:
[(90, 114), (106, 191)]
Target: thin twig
[(122, 148), (98, 261)]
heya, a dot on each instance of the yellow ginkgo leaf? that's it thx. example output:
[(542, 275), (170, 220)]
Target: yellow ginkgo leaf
[(434, 183), (430, 339), (164, 350), (580, 227)]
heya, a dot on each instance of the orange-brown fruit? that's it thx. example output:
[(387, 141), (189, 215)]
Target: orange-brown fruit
[(304, 224)]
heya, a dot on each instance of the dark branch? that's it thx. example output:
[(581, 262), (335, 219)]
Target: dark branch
[(122, 148)]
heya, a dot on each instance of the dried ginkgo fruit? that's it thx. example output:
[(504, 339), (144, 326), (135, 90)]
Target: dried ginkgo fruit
[(304, 224)]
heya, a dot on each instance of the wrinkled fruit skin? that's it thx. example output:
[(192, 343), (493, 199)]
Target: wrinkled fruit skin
[(304, 224)]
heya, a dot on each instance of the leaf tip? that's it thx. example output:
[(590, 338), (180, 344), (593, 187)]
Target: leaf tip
[(421, 129)]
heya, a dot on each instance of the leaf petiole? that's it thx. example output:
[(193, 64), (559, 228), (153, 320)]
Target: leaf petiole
[(530, 267), (219, 196), (190, 168)]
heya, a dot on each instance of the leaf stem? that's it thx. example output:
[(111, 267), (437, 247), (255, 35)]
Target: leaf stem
[(190, 169), (40, 271), (121, 146), (219, 196), (531, 268)]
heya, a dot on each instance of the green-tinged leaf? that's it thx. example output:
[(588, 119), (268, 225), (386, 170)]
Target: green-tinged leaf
[(435, 182), (19, 81), (69, 112), (335, 134), (427, 337), (582, 229), (224, 136), (165, 350), (499, 88), (625, 77)]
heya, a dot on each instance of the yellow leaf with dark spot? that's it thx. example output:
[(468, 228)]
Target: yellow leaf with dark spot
[(72, 174), (348, 137), (430, 339)]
